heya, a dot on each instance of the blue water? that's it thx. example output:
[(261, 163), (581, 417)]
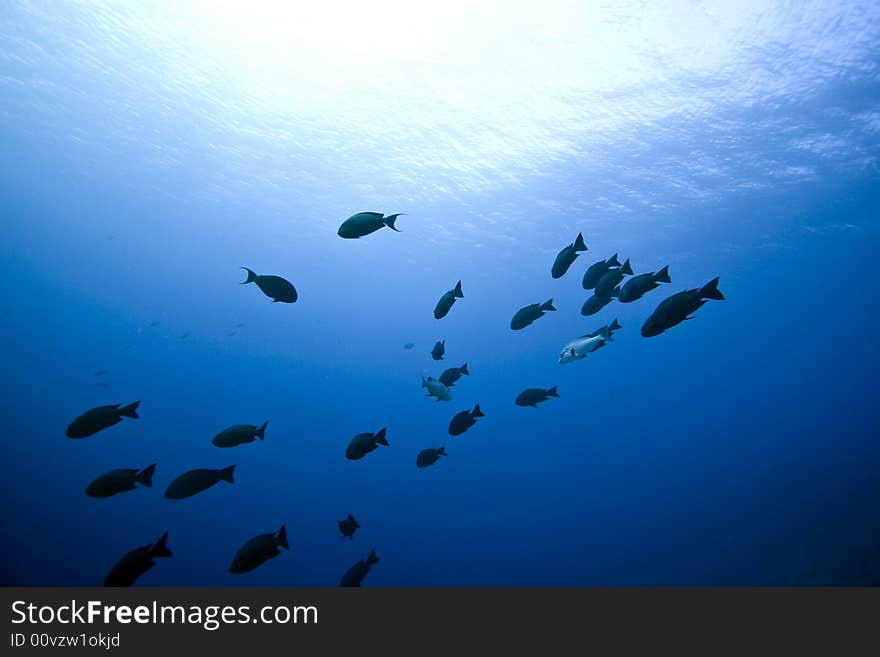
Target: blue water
[(151, 149)]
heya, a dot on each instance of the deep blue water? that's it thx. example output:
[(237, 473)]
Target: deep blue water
[(151, 150)]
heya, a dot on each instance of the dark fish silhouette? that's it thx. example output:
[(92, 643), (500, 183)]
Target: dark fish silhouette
[(446, 301), (594, 304), (101, 372), (677, 308), (597, 270), (464, 421), (274, 287), (533, 396), (364, 223), (453, 374), (259, 550), (636, 287), (239, 434), (355, 575), (567, 256), (409, 345), (611, 278), (121, 480), (101, 417), (195, 481), (135, 563), (528, 314), (348, 526), (364, 443), (429, 457), (439, 350)]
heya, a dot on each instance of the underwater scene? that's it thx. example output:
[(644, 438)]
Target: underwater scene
[(440, 294)]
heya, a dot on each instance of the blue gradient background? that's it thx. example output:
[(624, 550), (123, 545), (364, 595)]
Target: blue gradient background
[(150, 149)]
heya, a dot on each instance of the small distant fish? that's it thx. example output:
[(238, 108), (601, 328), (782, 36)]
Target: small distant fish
[(439, 350), (586, 344), (429, 457), (274, 287), (155, 324), (409, 345), (101, 372), (364, 223), (453, 374), (259, 550), (446, 301), (567, 256), (677, 308), (348, 527), (195, 481), (240, 434), (101, 417), (534, 396), (464, 421), (355, 575), (135, 563), (120, 481), (611, 278), (436, 389), (528, 314), (594, 304), (597, 270), (364, 443), (636, 287)]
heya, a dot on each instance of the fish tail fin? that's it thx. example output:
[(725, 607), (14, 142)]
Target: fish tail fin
[(226, 474), (464, 370), (662, 276), (626, 268), (372, 558), (613, 261), (281, 537), (457, 291), (552, 392), (615, 292), (548, 305), (380, 437), (130, 410), (613, 326), (160, 547), (442, 452), (251, 277), (579, 243), (605, 332), (389, 220), (145, 476), (710, 291), (477, 412), (261, 432)]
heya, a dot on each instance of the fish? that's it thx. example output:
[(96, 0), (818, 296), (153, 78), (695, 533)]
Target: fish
[(364, 223), (195, 481), (409, 345), (355, 575), (258, 551), (464, 421), (439, 350), (453, 374), (348, 527), (605, 286), (101, 372), (239, 434), (533, 396), (594, 304), (101, 417), (567, 256), (528, 314), (678, 308), (120, 480), (364, 443), (135, 563), (429, 456), (586, 344), (445, 303), (597, 270), (276, 288), (636, 287), (436, 389)]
